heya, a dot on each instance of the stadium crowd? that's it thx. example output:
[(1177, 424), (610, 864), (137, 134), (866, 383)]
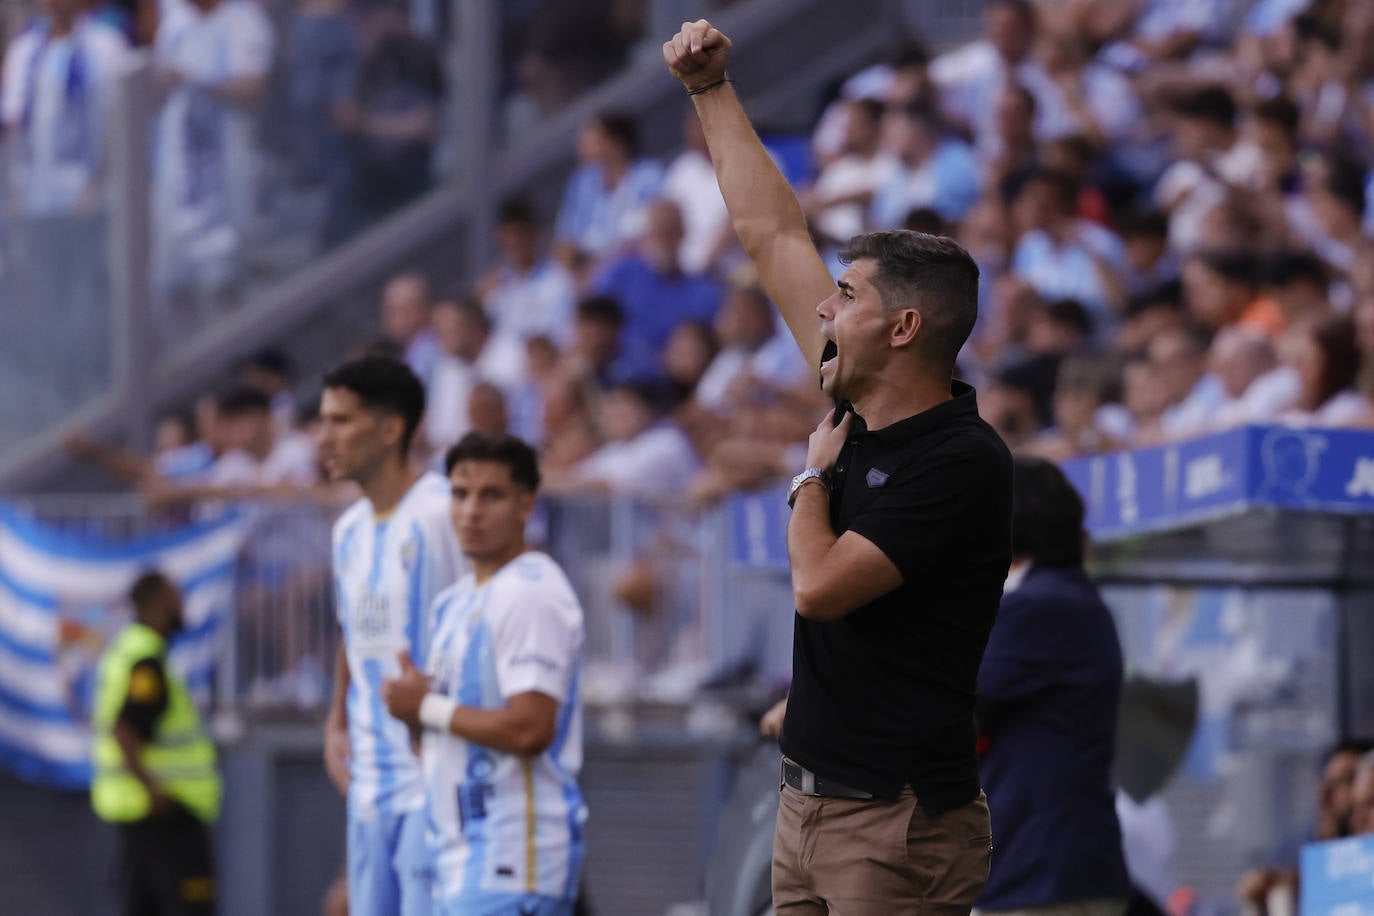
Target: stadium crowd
[(1171, 203), (1167, 201)]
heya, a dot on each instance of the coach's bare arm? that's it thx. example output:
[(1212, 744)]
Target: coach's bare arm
[(766, 214)]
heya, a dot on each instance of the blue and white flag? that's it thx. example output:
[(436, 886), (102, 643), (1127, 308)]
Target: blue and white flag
[(62, 596)]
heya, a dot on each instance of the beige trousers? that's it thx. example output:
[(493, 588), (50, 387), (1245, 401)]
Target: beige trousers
[(877, 858)]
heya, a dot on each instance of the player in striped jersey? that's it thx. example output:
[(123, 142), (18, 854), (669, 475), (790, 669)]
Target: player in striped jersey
[(394, 551), (498, 703)]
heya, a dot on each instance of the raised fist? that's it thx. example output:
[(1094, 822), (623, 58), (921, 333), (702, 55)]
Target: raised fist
[(697, 54)]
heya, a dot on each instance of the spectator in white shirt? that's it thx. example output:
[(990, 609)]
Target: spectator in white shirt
[(1327, 362), (1191, 393), (971, 78), (58, 83), (487, 412), (1149, 261), (269, 371), (1239, 358), (1015, 146), (527, 295), (691, 349), (935, 169), (215, 57), (904, 81), (406, 322), (604, 205), (844, 190), (470, 353), (1079, 97), (647, 455), (1329, 214), (755, 361), (256, 456), (690, 182), (1202, 126), (1061, 255)]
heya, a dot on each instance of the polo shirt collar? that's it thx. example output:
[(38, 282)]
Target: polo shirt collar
[(964, 403)]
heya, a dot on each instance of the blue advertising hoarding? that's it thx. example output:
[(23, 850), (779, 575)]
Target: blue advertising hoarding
[(1338, 878), (1158, 488), (1185, 483)]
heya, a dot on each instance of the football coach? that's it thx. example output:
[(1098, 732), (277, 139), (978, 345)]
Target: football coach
[(899, 541)]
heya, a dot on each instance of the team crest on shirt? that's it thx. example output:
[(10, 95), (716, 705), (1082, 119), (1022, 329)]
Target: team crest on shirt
[(410, 551)]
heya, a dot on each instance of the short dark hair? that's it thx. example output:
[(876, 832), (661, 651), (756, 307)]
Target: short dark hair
[(1288, 267), (518, 211), (468, 304), (501, 448), (656, 393), (602, 310), (1023, 8), (911, 54), (1150, 224), (1065, 183), (1234, 264), (1335, 336), (1209, 103), (149, 584), (923, 114), (1345, 181), (1027, 97), (1070, 313), (930, 273), (871, 107), (621, 128), (271, 361), (1046, 514), (1279, 111), (383, 384), (242, 400)]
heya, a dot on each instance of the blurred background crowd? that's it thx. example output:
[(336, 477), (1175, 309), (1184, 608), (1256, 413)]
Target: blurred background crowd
[(1168, 201), (1171, 203)]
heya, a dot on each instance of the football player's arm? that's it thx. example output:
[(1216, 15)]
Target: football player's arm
[(525, 725), (336, 746)]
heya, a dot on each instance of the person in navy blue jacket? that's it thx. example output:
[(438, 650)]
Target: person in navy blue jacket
[(1049, 690)]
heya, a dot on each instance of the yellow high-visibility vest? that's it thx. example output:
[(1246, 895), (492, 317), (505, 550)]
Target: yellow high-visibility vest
[(180, 757)]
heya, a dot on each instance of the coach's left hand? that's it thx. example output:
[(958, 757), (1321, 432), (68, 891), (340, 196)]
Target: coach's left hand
[(404, 694), (824, 448)]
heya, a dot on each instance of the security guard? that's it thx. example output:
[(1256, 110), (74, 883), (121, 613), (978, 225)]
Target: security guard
[(155, 774)]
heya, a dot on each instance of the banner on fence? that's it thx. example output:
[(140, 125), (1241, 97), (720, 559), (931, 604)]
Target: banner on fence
[(62, 595)]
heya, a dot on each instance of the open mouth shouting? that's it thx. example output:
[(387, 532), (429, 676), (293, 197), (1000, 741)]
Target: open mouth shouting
[(828, 355)]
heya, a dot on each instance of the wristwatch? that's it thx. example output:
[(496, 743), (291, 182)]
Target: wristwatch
[(803, 477)]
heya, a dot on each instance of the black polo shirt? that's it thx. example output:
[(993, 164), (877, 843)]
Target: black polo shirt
[(884, 697)]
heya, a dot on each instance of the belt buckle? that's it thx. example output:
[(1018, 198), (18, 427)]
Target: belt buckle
[(805, 777)]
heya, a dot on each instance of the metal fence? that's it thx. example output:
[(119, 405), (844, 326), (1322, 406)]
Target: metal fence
[(672, 601)]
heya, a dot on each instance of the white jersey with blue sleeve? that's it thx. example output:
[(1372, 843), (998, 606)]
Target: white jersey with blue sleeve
[(503, 824), (387, 572)]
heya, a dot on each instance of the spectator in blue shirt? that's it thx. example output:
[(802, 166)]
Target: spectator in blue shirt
[(1049, 690), (603, 206), (651, 286), (1062, 256), (937, 170)]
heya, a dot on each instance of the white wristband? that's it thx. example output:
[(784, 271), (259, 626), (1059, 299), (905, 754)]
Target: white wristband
[(436, 711)]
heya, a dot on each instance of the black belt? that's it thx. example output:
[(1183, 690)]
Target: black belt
[(808, 783)]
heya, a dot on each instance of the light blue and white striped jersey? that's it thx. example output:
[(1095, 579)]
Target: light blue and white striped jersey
[(387, 572), (503, 824)]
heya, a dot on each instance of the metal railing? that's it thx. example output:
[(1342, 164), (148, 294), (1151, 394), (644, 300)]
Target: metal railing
[(672, 599)]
